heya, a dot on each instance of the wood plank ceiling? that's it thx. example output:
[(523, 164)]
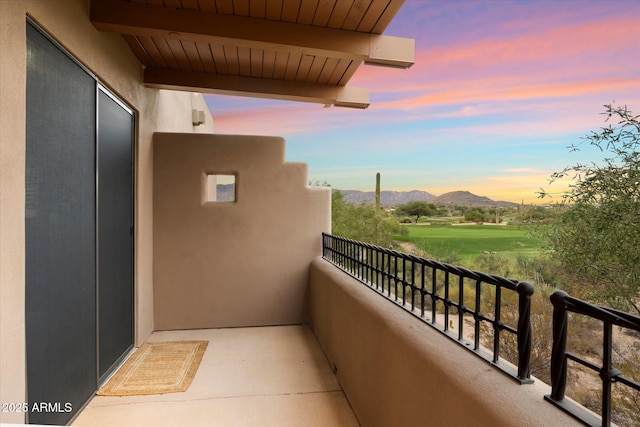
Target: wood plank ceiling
[(304, 50)]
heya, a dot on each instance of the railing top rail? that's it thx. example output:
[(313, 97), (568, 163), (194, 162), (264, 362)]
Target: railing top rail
[(513, 284), (605, 314)]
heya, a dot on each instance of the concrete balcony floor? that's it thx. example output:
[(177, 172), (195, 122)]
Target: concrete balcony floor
[(267, 376)]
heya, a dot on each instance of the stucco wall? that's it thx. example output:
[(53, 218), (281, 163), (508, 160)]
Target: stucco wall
[(109, 58), (233, 264), (397, 371), (12, 197)]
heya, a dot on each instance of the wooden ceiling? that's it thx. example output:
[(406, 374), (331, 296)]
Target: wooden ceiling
[(304, 50)]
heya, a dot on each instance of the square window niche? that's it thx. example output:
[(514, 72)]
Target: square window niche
[(219, 188)]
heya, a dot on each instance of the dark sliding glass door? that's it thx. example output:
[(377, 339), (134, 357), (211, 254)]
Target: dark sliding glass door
[(115, 232), (78, 219)]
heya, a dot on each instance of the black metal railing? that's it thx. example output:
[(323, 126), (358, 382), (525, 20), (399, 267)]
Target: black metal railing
[(428, 288), (563, 303)]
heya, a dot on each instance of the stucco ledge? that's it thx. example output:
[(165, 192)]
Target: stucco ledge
[(397, 370)]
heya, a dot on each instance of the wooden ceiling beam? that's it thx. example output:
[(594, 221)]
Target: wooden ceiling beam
[(340, 96), (130, 18)]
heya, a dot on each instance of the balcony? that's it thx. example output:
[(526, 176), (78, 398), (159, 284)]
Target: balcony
[(357, 336), (249, 376), (362, 361)]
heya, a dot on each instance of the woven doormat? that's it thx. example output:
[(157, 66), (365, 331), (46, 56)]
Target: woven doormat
[(157, 368)]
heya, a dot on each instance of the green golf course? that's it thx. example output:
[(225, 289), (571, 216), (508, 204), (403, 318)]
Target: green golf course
[(470, 241)]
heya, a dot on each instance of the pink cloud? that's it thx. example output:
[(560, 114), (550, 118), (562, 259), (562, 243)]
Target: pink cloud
[(285, 119), (564, 53), (468, 92), (549, 65), (563, 43), (272, 121)]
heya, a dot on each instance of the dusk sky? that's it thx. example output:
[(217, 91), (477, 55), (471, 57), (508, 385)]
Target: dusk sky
[(498, 92)]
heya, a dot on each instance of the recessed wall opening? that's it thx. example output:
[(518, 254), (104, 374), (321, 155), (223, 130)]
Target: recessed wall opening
[(219, 188)]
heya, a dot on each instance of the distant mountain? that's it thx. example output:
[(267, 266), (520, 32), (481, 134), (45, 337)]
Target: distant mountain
[(394, 198), (387, 198), (465, 198)]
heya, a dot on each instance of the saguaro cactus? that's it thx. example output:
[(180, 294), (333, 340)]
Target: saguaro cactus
[(378, 192)]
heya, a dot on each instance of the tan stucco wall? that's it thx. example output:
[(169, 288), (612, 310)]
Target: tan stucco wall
[(110, 59), (397, 371), (233, 264), (12, 193), (174, 112)]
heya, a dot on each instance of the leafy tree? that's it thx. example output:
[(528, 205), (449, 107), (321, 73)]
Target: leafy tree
[(416, 208), (443, 211), (533, 214), (362, 222), (474, 214), (597, 235)]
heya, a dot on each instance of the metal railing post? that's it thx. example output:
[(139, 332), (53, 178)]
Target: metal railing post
[(525, 332), (558, 359), (607, 373)]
